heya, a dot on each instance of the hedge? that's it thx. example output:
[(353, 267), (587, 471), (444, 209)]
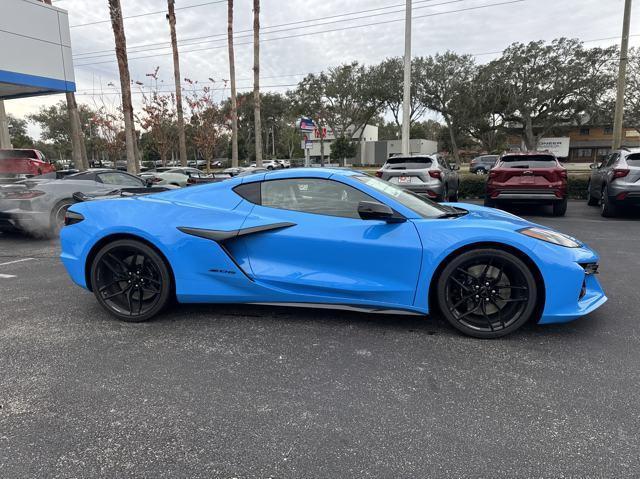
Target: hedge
[(473, 186)]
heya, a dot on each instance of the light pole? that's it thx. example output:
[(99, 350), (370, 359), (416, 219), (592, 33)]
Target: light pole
[(622, 78), (406, 101)]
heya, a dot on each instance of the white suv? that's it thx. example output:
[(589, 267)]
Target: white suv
[(269, 164)]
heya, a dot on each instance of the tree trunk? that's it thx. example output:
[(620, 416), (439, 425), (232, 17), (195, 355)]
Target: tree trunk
[(530, 140), (321, 149), (115, 12), (454, 143), (79, 161), (5, 138), (234, 95), (182, 142), (256, 81)]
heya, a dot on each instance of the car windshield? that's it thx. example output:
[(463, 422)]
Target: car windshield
[(634, 159), (410, 163), (528, 161), (423, 206)]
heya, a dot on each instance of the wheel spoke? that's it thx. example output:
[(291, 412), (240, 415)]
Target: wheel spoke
[(108, 285), (118, 293), (464, 271), (499, 312), (486, 316), (506, 286), (460, 283), (118, 261), (468, 312), (140, 298), (486, 269), (129, 301), (515, 300), (465, 298)]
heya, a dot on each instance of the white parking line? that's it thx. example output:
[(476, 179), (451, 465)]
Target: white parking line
[(16, 261), (7, 276)]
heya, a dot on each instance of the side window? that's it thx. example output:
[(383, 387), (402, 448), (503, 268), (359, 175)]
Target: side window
[(313, 195), (120, 179)]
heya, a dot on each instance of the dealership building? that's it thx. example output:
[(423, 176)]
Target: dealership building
[(35, 58)]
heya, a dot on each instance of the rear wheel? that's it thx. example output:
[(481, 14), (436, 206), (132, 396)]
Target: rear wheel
[(454, 197), (481, 171), (591, 200), (487, 293), (608, 208), (130, 280), (57, 216), (560, 207)]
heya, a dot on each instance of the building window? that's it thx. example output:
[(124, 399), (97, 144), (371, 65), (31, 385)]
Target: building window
[(585, 153), (584, 131), (602, 152), (608, 130)]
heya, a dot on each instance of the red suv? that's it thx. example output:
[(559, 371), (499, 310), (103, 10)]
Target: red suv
[(528, 177)]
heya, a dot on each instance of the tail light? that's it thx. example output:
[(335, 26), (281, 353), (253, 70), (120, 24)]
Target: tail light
[(435, 174), (23, 195), (622, 196), (379, 173), (71, 218), (620, 173)]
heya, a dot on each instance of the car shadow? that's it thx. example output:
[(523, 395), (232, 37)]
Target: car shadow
[(428, 325)]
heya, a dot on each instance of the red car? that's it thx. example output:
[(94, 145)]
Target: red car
[(528, 177), (18, 164)]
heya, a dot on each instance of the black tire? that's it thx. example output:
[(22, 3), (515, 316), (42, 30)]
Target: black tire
[(58, 212), (445, 194), (480, 171), (486, 293), (608, 209), (488, 202), (560, 207), (454, 197), (591, 201), (131, 280)]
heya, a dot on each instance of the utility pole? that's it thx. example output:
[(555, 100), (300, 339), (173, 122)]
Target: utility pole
[(5, 139), (406, 101), (234, 94), (182, 142), (256, 81), (622, 79)]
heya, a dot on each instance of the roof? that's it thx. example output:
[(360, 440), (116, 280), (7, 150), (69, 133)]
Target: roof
[(527, 153)]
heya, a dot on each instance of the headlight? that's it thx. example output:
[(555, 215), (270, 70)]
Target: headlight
[(551, 236)]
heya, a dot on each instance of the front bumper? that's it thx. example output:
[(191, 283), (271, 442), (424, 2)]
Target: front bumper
[(571, 291)]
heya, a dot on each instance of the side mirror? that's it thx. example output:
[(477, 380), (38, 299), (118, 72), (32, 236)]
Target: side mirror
[(372, 210)]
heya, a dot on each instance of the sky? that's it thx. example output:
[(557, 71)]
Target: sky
[(301, 37)]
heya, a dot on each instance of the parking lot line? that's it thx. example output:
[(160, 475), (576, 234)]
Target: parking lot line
[(7, 276), (16, 261)]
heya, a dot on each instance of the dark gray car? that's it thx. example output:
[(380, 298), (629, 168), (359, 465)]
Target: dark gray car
[(38, 205), (429, 175), (481, 165), (615, 182)]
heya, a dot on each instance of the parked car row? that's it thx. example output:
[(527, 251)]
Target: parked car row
[(615, 182)]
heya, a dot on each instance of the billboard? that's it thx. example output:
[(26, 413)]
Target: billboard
[(558, 146), (35, 53)]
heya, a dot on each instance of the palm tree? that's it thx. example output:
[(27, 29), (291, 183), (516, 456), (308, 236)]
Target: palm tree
[(115, 11), (234, 98), (182, 142), (256, 81)]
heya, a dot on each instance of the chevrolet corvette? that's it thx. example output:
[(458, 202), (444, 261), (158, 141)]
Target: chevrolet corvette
[(327, 238)]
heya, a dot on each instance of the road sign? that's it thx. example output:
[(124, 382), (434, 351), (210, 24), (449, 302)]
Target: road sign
[(305, 124), (307, 144)]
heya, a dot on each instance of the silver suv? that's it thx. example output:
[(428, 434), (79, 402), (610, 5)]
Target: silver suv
[(429, 175), (615, 182)]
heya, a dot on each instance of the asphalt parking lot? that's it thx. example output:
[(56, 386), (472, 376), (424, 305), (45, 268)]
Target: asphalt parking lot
[(244, 391)]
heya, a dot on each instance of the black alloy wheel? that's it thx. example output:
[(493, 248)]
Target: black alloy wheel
[(487, 293), (130, 280)]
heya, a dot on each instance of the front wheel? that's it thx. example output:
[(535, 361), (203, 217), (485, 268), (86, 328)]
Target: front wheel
[(131, 280), (487, 293), (591, 201)]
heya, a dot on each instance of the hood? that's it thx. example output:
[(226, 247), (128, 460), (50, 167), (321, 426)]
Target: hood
[(477, 212)]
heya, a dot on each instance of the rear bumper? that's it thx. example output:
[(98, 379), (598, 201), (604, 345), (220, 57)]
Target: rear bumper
[(528, 196)]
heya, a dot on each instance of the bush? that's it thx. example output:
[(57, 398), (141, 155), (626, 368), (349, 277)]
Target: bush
[(473, 187)]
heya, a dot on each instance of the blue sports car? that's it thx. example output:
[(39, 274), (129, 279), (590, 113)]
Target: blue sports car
[(327, 237)]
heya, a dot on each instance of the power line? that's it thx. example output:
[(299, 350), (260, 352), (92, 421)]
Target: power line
[(139, 92), (318, 32), (147, 14), (111, 51)]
